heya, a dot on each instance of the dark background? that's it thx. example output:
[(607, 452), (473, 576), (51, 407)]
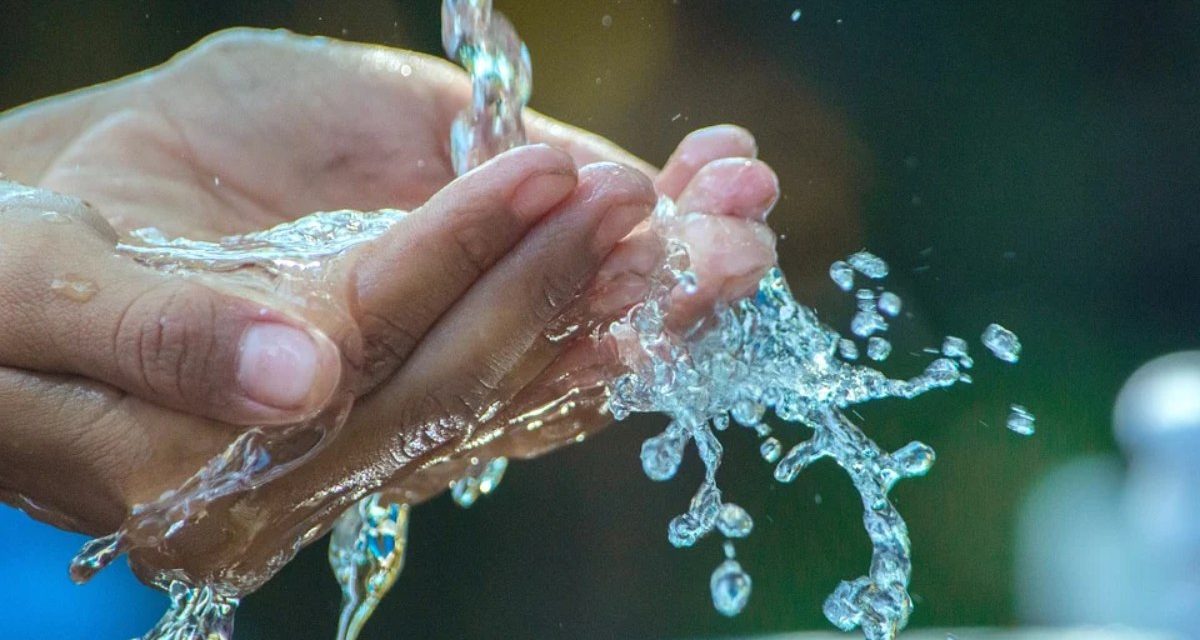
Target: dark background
[(1029, 162)]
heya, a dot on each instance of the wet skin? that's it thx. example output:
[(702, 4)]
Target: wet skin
[(438, 327)]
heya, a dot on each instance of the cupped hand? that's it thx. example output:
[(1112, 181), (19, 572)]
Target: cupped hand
[(109, 401)]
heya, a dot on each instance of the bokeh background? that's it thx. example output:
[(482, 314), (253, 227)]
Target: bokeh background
[(1028, 162)]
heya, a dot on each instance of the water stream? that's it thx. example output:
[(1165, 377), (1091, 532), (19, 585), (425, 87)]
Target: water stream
[(765, 367)]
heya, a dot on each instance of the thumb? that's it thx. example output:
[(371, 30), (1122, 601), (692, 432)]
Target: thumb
[(69, 304)]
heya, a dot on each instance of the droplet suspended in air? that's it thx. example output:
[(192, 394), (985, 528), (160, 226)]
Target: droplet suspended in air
[(1002, 343), (770, 449), (730, 586), (878, 348), (1021, 421), (869, 264), (890, 303), (842, 275), (847, 349), (734, 522)]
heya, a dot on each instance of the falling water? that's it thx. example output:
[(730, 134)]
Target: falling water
[(763, 357)]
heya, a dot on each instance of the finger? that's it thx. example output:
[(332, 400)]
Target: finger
[(408, 278), (700, 148), (79, 454), (73, 306), (493, 342), (728, 256), (478, 349), (737, 187), (584, 146)]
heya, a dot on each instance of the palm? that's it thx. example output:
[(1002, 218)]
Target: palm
[(220, 142)]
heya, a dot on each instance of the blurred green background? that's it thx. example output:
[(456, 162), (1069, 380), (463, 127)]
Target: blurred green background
[(1028, 162)]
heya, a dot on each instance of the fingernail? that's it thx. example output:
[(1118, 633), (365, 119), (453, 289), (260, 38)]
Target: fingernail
[(539, 193), (279, 366)]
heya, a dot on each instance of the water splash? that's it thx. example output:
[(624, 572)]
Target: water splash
[(765, 354), (480, 480), (196, 613), (487, 46), (769, 353), (289, 261), (366, 552)]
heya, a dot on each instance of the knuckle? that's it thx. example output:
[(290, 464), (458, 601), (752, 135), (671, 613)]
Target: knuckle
[(474, 244), (164, 341), (388, 341)]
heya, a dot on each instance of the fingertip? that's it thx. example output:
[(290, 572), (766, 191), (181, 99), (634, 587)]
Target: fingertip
[(738, 187), (700, 148), (285, 373)]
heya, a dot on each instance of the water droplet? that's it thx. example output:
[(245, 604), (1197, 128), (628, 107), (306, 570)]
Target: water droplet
[(868, 264), (1021, 421), (492, 473), (847, 349), (73, 287), (867, 322), (842, 275), (606, 21), (734, 522), (865, 299), (406, 70), (730, 587), (913, 459), (770, 449), (889, 303), (1002, 343), (953, 347), (878, 348), (662, 454), (796, 14)]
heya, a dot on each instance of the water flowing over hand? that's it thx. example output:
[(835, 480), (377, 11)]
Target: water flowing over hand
[(465, 320)]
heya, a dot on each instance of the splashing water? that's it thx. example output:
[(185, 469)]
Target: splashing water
[(366, 552), (486, 44), (287, 261), (763, 355)]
